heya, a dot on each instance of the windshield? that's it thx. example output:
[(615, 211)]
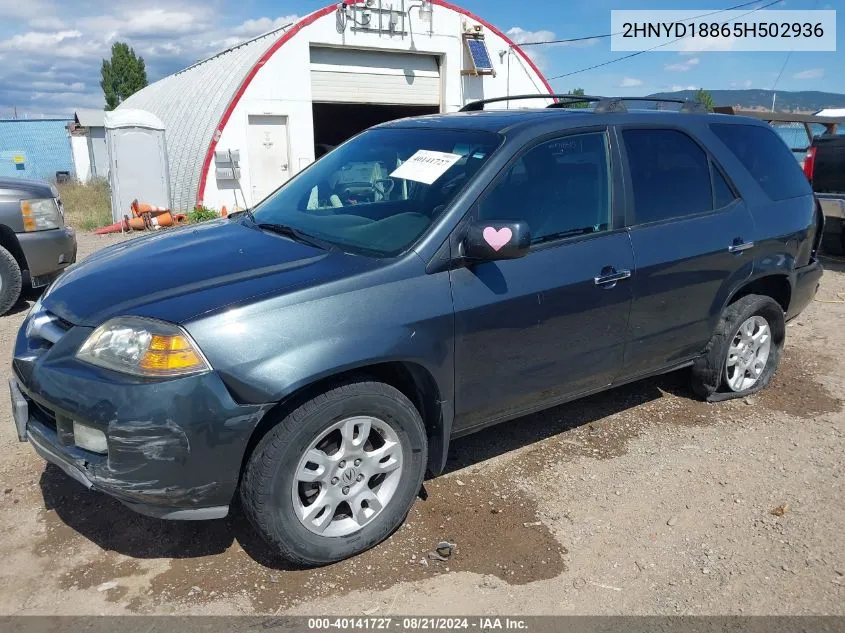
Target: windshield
[(378, 193)]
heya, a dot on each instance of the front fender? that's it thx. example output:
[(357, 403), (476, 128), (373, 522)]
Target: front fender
[(269, 350)]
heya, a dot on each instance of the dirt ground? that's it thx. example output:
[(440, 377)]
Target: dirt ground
[(642, 500)]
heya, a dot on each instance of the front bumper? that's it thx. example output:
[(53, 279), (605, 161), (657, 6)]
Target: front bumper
[(47, 252), (175, 447)]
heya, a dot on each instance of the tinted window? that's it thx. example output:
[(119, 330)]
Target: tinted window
[(723, 195), (560, 188), (766, 157), (793, 134), (670, 175), (379, 192)]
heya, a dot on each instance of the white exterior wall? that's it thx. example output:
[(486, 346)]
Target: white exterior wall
[(81, 157), (283, 85)]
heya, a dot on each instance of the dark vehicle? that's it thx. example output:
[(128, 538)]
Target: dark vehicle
[(426, 279), (825, 168), (35, 244)]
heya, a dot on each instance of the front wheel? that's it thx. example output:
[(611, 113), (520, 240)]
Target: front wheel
[(10, 281), (743, 354), (338, 475)]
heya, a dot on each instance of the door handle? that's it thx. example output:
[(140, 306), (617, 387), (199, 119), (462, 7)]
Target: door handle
[(610, 278), (739, 246)]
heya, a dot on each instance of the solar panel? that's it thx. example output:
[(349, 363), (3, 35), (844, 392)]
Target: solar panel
[(479, 54)]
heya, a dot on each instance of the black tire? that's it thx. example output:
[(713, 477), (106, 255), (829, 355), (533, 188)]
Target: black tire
[(708, 371), (269, 474), (11, 281)]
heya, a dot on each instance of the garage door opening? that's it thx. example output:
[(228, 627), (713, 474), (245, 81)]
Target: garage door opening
[(336, 122)]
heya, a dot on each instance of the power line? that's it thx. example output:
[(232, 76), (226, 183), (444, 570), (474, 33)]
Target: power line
[(606, 35), (647, 50), (782, 68)]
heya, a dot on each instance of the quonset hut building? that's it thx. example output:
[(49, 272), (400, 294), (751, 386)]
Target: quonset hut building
[(242, 122)]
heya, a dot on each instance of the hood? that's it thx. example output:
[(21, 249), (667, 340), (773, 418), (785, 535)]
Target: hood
[(21, 188), (179, 274)]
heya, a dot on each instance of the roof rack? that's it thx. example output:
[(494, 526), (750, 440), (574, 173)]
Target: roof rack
[(603, 105)]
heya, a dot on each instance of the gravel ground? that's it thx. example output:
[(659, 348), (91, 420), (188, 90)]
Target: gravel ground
[(642, 500)]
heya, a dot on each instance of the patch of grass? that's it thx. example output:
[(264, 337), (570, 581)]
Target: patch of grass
[(87, 206), (201, 214)]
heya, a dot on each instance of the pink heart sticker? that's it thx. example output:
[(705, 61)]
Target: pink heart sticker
[(497, 239)]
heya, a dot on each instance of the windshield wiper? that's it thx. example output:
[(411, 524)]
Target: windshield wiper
[(296, 234), (562, 234)]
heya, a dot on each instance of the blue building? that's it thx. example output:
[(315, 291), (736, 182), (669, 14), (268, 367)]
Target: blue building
[(35, 148)]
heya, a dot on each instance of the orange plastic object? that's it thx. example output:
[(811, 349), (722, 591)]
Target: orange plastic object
[(137, 224), (117, 227)]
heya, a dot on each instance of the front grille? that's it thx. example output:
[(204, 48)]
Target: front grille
[(43, 414), (62, 426), (46, 327)]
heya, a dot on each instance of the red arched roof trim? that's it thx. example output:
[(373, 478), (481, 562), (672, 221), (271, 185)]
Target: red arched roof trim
[(289, 34)]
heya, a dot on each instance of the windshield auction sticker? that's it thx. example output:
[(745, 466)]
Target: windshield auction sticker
[(425, 166), (690, 31)]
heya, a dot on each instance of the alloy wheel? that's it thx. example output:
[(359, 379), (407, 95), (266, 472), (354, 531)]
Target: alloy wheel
[(347, 476), (748, 353)]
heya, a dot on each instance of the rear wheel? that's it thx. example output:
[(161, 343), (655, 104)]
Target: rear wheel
[(743, 354), (338, 475), (10, 281)]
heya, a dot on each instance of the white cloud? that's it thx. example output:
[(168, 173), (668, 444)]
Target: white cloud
[(630, 82), (678, 88), (58, 47), (47, 23), (741, 84), (67, 44), (251, 28), (537, 53), (521, 36), (683, 67), (160, 22), (810, 73), (18, 9)]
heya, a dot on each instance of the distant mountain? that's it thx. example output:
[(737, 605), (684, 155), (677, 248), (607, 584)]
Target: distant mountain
[(806, 101)]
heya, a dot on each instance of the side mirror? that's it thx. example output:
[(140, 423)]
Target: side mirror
[(491, 241)]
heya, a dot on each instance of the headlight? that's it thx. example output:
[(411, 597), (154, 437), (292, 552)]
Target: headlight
[(36, 307), (40, 215), (143, 347)]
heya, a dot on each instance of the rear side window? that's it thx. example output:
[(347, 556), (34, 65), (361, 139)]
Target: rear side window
[(766, 157), (670, 174), (723, 195)]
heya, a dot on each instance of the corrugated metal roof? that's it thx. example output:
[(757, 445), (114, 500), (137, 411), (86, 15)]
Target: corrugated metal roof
[(34, 148), (191, 103), (90, 118)]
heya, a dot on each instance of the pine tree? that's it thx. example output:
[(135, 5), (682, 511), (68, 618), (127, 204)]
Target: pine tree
[(705, 99), (123, 75), (578, 92)]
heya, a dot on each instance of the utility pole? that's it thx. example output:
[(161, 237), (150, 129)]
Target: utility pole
[(774, 96)]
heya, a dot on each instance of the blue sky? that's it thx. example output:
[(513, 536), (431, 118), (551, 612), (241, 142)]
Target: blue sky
[(51, 50)]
